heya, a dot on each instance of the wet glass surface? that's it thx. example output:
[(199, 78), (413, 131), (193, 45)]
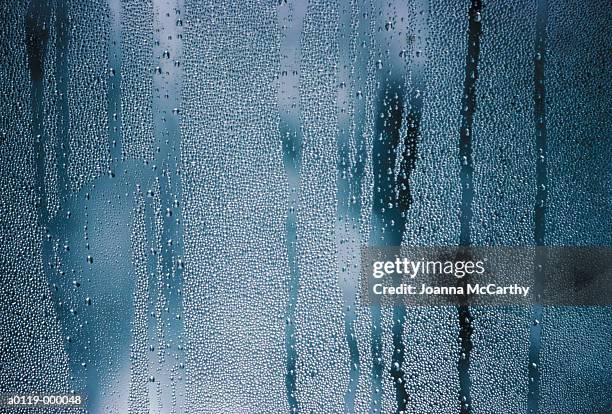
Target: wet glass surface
[(186, 186)]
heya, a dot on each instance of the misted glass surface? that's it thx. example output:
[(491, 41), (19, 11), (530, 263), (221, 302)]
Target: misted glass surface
[(185, 187)]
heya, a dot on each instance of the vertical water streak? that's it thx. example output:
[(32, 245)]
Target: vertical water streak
[(171, 202), (360, 95), (138, 391), (114, 88), (405, 200), (409, 155), (37, 36), (167, 238), (364, 71), (540, 202), (136, 70), (291, 17), (155, 295), (397, 129), (349, 176), (467, 192), (387, 218), (62, 33)]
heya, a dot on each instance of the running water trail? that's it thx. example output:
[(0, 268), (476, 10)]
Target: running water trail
[(539, 218), (467, 192)]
